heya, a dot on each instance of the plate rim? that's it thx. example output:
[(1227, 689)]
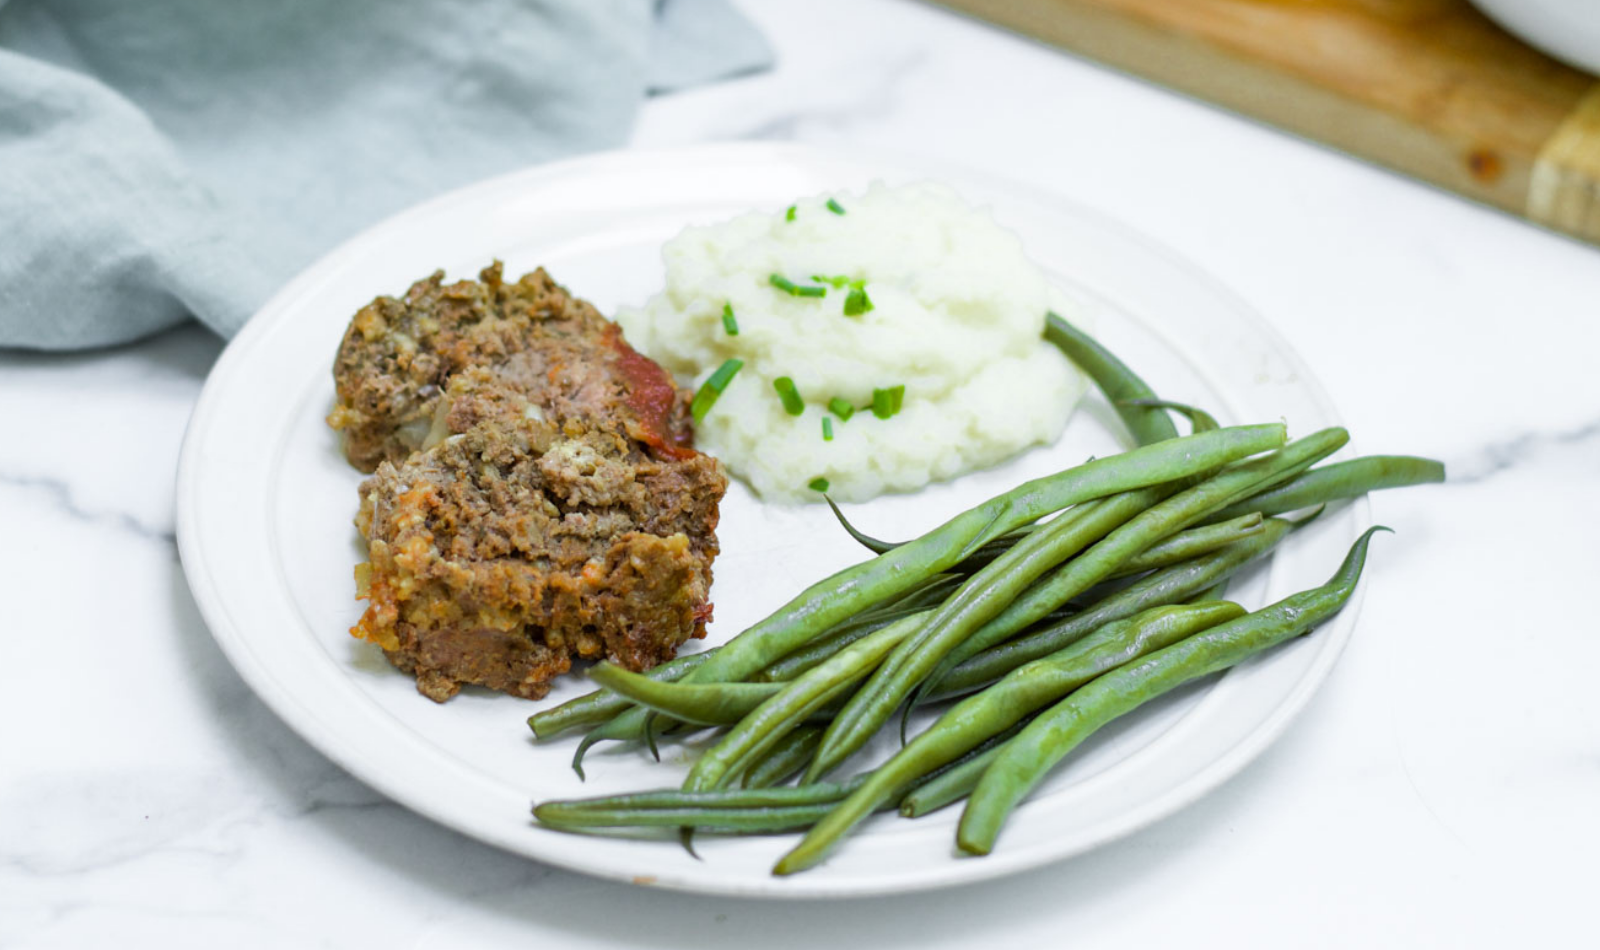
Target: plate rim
[(303, 721)]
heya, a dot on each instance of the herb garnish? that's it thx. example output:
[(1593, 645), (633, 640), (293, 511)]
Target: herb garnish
[(857, 302), (712, 388), (793, 289), (886, 402), (792, 403)]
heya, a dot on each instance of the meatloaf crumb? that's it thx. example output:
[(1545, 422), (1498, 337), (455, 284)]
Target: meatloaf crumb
[(535, 497)]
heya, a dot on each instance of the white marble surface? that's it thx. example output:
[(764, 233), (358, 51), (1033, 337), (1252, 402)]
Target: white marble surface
[(1441, 789)]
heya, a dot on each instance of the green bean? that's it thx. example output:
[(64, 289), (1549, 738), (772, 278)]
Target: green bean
[(928, 595), (787, 757), (736, 820), (1119, 383), (969, 668), (913, 661), (602, 704), (1199, 419), (846, 593), (626, 725), (919, 595), (956, 779), (849, 632), (718, 817), (824, 646), (775, 718), (704, 704), (981, 749), (865, 540), (1186, 545), (1214, 592), (986, 555), (948, 786), (810, 655), (819, 793), (1002, 705), (1339, 481), (1037, 748), (977, 559)]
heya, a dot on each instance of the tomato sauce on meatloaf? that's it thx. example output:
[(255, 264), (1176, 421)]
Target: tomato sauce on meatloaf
[(535, 494)]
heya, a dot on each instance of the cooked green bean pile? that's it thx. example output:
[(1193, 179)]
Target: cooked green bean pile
[(1039, 616)]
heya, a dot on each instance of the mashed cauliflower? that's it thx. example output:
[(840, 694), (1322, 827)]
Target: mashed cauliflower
[(956, 315)]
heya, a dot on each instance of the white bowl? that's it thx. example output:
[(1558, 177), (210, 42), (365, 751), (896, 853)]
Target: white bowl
[(1566, 29)]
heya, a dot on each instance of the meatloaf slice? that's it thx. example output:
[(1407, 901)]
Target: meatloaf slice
[(398, 355), (518, 541)]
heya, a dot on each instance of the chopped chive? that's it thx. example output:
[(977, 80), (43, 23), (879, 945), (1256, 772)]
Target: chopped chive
[(857, 302), (732, 325), (886, 402), (792, 403), (835, 207), (789, 215), (818, 484), (841, 408), (827, 429), (712, 388), (793, 289)]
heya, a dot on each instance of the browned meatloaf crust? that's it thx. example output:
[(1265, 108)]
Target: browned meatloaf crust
[(546, 515), (398, 355)]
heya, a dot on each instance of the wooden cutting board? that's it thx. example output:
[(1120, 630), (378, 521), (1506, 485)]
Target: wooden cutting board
[(1431, 88)]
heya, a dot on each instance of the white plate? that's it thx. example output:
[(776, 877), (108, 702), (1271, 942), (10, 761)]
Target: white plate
[(265, 504)]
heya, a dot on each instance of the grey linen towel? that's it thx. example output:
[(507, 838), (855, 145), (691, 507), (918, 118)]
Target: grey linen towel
[(163, 159)]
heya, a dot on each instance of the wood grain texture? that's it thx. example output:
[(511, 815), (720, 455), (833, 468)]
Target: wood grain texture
[(1431, 88)]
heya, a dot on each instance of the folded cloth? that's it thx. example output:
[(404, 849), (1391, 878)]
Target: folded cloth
[(175, 158)]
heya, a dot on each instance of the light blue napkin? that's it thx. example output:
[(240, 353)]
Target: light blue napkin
[(167, 158)]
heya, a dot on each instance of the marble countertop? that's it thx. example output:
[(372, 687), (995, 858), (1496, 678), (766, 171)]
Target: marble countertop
[(1440, 790)]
